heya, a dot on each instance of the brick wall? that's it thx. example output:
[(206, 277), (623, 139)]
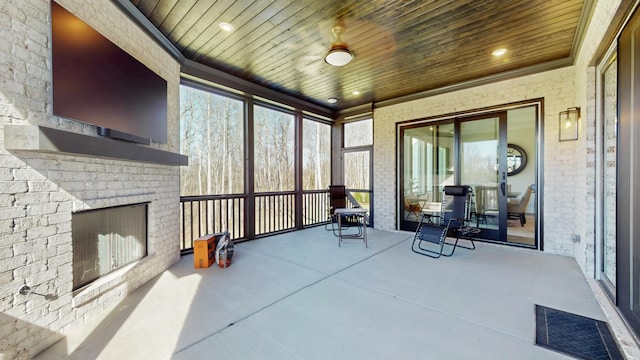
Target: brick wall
[(586, 172), (38, 191)]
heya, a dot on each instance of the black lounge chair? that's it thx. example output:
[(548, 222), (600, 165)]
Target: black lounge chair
[(432, 232)]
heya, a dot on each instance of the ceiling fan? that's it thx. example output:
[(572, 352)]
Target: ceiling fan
[(339, 53)]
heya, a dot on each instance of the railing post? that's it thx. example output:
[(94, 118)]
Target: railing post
[(299, 223), (250, 203)]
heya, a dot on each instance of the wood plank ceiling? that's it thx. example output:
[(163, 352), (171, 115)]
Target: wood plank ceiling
[(401, 47)]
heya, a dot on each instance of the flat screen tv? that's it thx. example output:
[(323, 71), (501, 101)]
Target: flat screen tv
[(96, 82)]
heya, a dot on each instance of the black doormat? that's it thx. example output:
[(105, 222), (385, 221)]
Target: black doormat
[(574, 335)]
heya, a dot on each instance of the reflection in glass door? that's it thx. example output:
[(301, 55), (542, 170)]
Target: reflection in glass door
[(483, 167)]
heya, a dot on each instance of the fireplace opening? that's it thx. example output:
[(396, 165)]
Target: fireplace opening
[(107, 239)]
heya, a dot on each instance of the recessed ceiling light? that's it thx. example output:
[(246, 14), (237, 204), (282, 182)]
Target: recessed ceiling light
[(499, 52), (332, 100), (226, 26), (355, 92)]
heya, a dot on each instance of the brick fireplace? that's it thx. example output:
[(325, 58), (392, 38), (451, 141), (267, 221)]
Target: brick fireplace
[(52, 168)]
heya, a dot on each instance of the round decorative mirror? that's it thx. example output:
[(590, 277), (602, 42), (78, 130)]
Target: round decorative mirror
[(516, 159)]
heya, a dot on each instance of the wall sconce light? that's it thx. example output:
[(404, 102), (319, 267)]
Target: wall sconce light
[(568, 124)]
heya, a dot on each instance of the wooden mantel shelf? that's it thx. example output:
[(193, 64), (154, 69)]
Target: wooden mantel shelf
[(48, 140)]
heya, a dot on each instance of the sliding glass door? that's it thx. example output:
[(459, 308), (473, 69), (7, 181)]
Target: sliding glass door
[(627, 168), (483, 166), (494, 153)]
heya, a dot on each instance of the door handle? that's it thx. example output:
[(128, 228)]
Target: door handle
[(502, 187)]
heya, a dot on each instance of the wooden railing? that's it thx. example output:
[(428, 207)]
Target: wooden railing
[(272, 213), (315, 205), (209, 214)]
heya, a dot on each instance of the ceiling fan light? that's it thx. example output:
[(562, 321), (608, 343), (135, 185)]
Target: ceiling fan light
[(338, 57)]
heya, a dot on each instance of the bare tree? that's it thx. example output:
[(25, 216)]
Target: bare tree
[(214, 141), (316, 150), (212, 132), (273, 150)]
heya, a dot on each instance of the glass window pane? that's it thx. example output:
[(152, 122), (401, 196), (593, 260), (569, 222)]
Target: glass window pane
[(428, 161), (428, 166), (212, 135), (316, 155), (356, 170), (274, 150), (356, 176), (479, 161), (358, 133), (479, 152)]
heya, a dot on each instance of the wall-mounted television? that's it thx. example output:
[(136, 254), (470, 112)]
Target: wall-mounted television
[(96, 82)]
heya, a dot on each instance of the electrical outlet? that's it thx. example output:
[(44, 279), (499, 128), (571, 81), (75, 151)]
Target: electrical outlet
[(576, 238)]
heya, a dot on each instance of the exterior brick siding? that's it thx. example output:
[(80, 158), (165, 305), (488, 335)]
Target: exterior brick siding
[(39, 192)]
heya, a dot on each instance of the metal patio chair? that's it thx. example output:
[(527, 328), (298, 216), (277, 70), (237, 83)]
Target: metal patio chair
[(339, 198)]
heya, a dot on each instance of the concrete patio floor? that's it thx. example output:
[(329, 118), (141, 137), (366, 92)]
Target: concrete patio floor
[(300, 296)]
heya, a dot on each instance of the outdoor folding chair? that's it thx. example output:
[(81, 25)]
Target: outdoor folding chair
[(338, 199), (430, 237)]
